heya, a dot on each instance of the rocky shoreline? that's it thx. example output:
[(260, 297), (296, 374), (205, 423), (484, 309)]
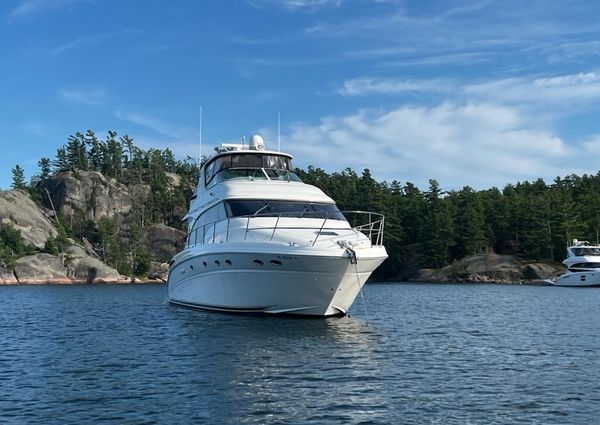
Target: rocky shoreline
[(73, 267), (78, 262), (96, 197), (491, 268)]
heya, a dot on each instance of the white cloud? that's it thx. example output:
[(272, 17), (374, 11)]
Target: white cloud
[(368, 85), (32, 7), (86, 96), (573, 88), (90, 39), (476, 144), (155, 124), (592, 144), (540, 92), (294, 5)]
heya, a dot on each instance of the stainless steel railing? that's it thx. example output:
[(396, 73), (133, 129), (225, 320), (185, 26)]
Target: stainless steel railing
[(369, 223)]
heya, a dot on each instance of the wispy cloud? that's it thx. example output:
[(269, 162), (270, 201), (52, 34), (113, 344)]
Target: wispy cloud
[(577, 88), (592, 144), (391, 86), (41, 128), (542, 92), (33, 7), (152, 123), (85, 96), (403, 35), (294, 5), (91, 39)]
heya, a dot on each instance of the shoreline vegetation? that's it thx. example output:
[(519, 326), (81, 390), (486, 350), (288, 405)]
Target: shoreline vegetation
[(105, 210)]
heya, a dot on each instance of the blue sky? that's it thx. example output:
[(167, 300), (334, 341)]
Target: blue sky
[(478, 93)]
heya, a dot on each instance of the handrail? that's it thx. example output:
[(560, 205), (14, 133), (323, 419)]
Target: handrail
[(372, 228)]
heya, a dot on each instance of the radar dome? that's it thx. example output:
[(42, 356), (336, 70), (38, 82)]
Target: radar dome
[(257, 143)]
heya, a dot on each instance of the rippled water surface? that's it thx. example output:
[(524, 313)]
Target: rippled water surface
[(417, 354)]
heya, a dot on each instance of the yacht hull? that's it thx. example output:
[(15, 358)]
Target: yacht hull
[(251, 279), (580, 279)]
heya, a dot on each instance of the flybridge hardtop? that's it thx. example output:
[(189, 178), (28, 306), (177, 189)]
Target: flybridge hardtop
[(254, 162), (262, 241)]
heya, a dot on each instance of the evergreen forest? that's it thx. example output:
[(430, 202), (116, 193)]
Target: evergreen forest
[(424, 228)]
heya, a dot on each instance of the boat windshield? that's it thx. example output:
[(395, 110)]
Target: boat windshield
[(274, 208), (249, 166), (584, 266), (584, 251)]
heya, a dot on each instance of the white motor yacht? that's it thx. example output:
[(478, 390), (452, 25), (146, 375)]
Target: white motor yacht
[(262, 241), (583, 265)]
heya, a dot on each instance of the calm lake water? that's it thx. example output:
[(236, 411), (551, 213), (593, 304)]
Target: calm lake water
[(418, 354)]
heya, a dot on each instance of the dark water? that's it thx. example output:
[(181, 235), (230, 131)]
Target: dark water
[(428, 354)]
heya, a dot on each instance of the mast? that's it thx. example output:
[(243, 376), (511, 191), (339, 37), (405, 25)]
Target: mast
[(200, 143)]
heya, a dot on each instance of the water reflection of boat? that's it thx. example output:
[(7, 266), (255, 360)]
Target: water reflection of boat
[(261, 241), (583, 265)]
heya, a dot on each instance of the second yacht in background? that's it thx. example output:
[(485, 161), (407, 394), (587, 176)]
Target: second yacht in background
[(583, 265)]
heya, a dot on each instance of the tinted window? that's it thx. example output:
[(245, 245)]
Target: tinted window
[(586, 265), (272, 208), (242, 208), (586, 251)]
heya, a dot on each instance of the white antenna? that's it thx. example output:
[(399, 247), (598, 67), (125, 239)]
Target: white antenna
[(278, 132), (200, 139)]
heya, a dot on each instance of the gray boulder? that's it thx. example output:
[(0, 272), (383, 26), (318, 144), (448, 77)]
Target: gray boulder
[(18, 210), (158, 271), (484, 268), (90, 192), (7, 277), (84, 268), (163, 242), (41, 268), (74, 267), (541, 271)]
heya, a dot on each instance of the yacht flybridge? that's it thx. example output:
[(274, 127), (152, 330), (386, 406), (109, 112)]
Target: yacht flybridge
[(583, 265), (261, 241)]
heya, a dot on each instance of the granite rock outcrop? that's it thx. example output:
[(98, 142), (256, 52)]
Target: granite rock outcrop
[(18, 210), (90, 192)]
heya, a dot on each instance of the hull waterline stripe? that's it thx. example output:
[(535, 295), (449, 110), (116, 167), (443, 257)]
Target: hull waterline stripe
[(221, 308)]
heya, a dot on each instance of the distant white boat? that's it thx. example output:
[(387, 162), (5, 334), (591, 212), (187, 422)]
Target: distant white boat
[(261, 241), (583, 265)]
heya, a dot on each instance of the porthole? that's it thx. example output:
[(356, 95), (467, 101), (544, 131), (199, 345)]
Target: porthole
[(204, 264), (228, 262), (259, 262), (276, 262), (217, 263)]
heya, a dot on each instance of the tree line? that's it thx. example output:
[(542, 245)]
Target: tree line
[(433, 228), (424, 228)]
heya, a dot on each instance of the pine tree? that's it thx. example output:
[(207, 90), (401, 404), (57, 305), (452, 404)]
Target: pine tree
[(95, 149), (470, 236), (437, 234), (18, 178), (61, 164), (76, 154), (45, 168)]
